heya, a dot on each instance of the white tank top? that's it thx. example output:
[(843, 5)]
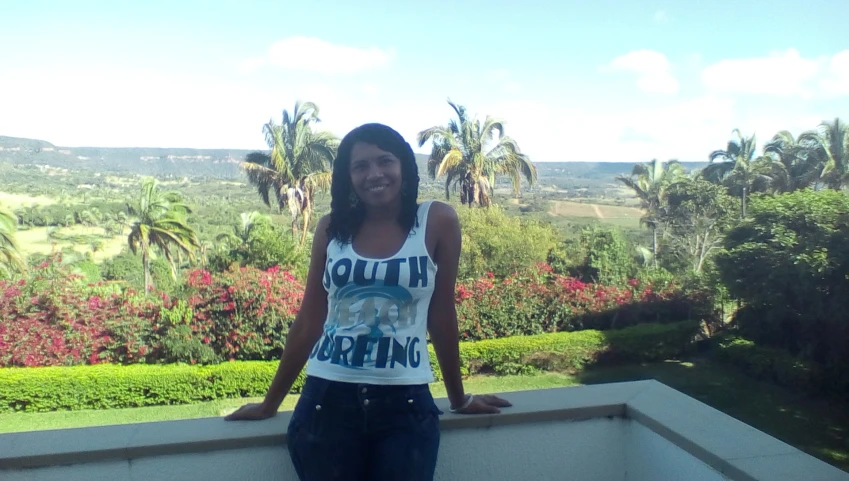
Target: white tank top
[(376, 326)]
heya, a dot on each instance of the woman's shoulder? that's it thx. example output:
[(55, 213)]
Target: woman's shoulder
[(441, 211), (442, 218)]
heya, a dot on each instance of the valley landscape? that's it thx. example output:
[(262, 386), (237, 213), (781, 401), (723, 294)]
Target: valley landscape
[(578, 247)]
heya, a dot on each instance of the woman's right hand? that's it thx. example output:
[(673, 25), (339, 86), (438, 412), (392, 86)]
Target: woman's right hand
[(251, 412), (485, 404)]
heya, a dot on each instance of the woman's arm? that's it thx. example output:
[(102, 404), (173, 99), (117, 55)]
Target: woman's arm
[(442, 316), (304, 333)]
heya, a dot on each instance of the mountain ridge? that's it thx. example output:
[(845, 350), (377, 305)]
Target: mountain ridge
[(218, 163)]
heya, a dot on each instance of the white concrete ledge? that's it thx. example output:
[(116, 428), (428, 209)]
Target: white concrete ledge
[(728, 446)]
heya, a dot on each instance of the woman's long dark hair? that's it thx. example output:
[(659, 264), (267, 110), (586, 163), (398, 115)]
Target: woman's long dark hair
[(346, 215)]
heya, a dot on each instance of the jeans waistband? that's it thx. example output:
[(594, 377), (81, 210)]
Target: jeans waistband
[(316, 387)]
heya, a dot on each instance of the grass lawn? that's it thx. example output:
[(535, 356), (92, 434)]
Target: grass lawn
[(811, 425)]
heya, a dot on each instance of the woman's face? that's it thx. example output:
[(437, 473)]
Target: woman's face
[(375, 175)]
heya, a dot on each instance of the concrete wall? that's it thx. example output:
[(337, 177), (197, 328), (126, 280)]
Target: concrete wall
[(650, 457), (601, 449), (640, 431)]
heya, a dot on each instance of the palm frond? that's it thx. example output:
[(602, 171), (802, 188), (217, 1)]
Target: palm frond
[(319, 180), (451, 160)]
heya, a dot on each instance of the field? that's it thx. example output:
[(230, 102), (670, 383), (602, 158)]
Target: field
[(609, 214), (38, 241), (14, 201)]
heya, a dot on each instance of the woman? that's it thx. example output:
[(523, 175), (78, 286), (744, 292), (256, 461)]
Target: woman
[(382, 274)]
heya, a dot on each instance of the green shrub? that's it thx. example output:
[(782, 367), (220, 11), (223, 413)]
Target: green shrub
[(604, 256), (110, 386), (503, 245), (127, 267), (769, 364), (266, 246), (787, 264), (572, 351), (88, 269)]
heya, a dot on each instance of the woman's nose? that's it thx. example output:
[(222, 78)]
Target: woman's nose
[(374, 172)]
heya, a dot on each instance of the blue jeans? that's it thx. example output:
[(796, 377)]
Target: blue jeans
[(364, 432)]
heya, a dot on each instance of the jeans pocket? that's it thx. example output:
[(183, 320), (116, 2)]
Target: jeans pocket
[(423, 411)]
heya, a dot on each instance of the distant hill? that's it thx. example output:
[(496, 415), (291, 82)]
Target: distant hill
[(220, 163), (597, 170), (224, 163)]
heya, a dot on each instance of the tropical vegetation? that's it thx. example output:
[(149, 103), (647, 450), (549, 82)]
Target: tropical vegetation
[(298, 165), (470, 154), (195, 281), (161, 226), (11, 260)]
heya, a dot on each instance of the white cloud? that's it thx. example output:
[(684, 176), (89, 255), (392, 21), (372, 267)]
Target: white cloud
[(652, 68), (783, 74), (316, 55), (836, 81), (661, 17), (126, 109)]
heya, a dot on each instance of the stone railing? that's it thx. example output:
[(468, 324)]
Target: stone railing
[(634, 431)]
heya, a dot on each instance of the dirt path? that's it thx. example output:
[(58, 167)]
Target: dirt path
[(598, 211)]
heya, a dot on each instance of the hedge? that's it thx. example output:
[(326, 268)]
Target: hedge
[(774, 365), (104, 386)]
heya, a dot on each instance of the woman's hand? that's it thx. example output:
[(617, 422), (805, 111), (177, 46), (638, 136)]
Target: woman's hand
[(251, 412), (485, 404)]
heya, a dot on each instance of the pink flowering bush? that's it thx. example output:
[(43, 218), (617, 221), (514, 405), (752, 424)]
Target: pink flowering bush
[(52, 318), (490, 308), (240, 314)]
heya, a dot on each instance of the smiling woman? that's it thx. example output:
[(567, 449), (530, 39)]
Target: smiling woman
[(382, 276)]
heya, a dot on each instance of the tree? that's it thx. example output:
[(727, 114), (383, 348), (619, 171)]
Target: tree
[(794, 165), (241, 234), (788, 265), (11, 259), (160, 223), (472, 154), (698, 215), (830, 144), (606, 256), (650, 181), (298, 165), (740, 171)]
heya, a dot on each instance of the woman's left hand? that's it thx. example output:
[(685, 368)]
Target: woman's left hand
[(485, 404)]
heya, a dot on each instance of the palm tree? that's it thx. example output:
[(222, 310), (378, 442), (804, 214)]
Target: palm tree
[(298, 166), (11, 259), (160, 223), (471, 154), (650, 182), (831, 145), (794, 165), (242, 232), (740, 171)]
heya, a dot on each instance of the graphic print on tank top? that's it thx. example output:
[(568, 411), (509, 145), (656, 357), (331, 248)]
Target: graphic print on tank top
[(377, 314)]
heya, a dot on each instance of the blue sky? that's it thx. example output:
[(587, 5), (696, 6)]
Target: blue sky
[(625, 80)]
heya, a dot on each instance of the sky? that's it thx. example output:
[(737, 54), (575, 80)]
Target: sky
[(624, 80)]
